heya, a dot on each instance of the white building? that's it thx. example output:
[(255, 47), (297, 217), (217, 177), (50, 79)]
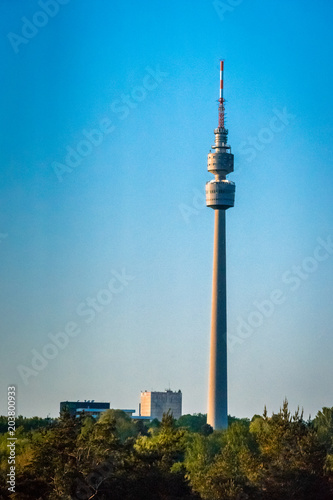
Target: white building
[(154, 404)]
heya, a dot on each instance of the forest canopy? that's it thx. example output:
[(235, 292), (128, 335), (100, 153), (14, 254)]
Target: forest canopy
[(275, 457)]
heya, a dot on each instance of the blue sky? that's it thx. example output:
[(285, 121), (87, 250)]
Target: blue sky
[(117, 250)]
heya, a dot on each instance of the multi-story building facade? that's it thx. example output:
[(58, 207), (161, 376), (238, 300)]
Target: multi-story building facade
[(154, 404)]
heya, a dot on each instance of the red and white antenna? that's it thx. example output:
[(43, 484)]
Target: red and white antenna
[(221, 99)]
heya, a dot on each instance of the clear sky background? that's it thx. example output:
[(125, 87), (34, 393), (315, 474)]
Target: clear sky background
[(134, 203)]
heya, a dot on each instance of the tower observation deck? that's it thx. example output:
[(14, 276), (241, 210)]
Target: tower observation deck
[(220, 195)]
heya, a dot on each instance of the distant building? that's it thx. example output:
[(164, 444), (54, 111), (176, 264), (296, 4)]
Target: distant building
[(154, 404), (88, 407)]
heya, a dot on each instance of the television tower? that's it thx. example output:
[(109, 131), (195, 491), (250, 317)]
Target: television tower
[(220, 195)]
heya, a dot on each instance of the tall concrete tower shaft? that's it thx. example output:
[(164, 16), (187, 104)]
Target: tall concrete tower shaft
[(220, 195)]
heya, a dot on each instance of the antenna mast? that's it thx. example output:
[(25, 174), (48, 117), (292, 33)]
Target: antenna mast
[(221, 99)]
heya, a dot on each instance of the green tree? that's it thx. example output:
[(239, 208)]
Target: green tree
[(193, 423), (292, 457), (323, 423), (227, 470), (199, 456), (54, 464), (125, 427), (78, 458), (158, 463), (27, 424)]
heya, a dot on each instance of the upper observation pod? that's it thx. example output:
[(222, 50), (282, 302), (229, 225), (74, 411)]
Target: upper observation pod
[(220, 163)]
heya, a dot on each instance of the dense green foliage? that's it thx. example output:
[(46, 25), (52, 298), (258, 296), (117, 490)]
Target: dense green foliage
[(27, 424), (270, 458)]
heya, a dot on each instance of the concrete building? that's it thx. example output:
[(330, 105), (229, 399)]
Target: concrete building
[(220, 195), (154, 404)]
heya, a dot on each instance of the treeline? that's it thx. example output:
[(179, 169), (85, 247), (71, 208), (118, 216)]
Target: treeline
[(25, 423), (276, 457)]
